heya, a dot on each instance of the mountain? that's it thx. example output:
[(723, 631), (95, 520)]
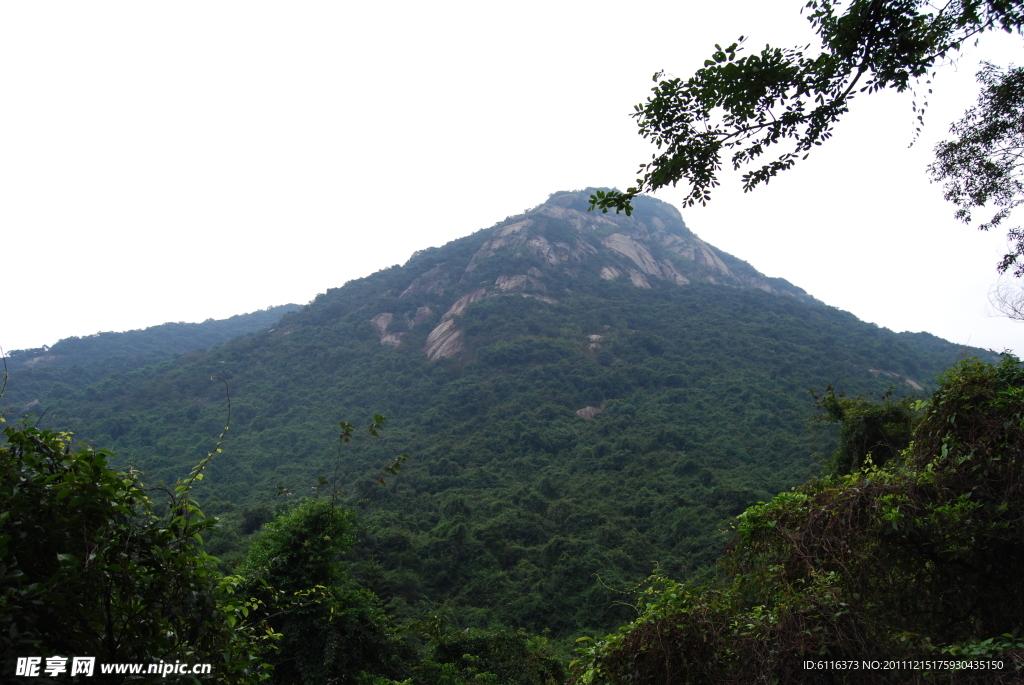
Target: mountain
[(583, 395), (78, 361), (168, 337), (560, 244)]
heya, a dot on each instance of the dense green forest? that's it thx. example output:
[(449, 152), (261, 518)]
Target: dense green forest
[(585, 398), (168, 337), (908, 551), (78, 361), (910, 562)]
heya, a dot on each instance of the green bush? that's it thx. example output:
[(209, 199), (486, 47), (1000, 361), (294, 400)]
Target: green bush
[(332, 631), (87, 568)]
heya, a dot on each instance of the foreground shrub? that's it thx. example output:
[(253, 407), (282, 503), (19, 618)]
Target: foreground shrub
[(88, 569)]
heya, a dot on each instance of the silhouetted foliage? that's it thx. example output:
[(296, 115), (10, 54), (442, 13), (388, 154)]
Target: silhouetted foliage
[(744, 106), (982, 165)]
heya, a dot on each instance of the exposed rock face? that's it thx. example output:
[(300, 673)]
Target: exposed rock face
[(893, 374), (433, 281), (513, 283), (638, 279), (511, 235), (560, 239), (443, 341), (422, 314), (589, 412), (463, 302), (625, 245), (527, 235), (43, 359), (519, 283), (670, 274), (696, 250), (381, 322)]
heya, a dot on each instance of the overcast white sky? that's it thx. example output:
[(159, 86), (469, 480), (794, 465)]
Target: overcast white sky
[(180, 161)]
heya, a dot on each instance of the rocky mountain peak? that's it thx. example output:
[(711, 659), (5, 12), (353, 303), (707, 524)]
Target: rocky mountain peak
[(558, 247)]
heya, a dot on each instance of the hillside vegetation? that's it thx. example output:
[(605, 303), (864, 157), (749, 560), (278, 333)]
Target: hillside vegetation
[(54, 371), (583, 397), (915, 561), (918, 560)]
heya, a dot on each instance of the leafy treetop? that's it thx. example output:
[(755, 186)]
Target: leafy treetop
[(982, 166), (743, 105)]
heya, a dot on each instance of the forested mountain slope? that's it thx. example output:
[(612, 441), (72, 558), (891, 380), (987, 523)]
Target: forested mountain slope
[(77, 361), (168, 337), (583, 396)]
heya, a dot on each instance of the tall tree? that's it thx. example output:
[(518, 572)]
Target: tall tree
[(744, 106), (983, 164)]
